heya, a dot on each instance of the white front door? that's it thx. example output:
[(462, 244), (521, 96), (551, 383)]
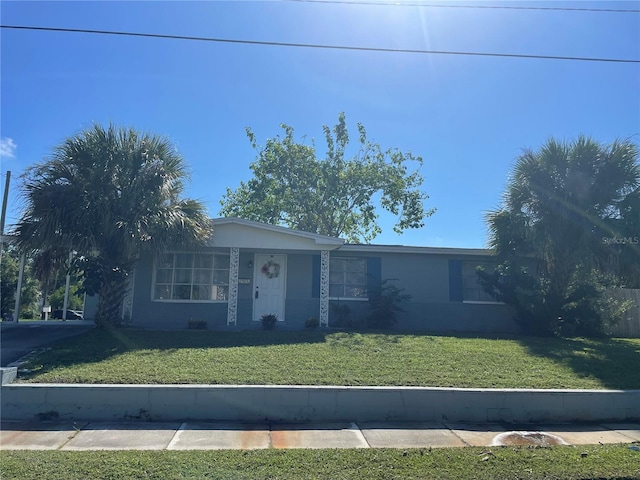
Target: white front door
[(269, 286)]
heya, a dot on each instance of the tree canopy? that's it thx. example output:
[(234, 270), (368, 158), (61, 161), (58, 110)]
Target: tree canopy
[(106, 194), (336, 195), (567, 229)]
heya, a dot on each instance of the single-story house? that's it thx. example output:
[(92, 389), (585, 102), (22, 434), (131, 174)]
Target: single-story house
[(250, 269)]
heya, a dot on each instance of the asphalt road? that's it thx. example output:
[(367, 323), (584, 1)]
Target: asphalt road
[(16, 340)]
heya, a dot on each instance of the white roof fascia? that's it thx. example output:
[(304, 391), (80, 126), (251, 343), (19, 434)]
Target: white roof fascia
[(419, 250), (338, 244)]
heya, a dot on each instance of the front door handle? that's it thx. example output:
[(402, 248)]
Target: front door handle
[(257, 293)]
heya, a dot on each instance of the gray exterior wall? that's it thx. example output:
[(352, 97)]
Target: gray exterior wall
[(300, 304), (172, 315), (425, 277)]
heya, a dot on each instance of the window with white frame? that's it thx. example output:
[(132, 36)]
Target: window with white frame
[(348, 278), (472, 289), (183, 276)]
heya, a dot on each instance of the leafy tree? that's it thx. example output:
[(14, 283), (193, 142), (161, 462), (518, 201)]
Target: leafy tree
[(9, 282), (106, 194), (561, 205), (75, 301), (334, 196)]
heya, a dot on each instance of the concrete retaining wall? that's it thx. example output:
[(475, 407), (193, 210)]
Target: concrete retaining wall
[(317, 404)]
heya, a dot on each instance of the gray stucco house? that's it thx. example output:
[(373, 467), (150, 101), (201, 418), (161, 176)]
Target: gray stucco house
[(250, 269)]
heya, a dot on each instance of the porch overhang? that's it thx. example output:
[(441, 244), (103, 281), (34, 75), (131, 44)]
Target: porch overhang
[(246, 234)]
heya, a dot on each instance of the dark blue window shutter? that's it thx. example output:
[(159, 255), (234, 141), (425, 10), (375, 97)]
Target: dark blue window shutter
[(374, 273), (455, 281), (315, 276)]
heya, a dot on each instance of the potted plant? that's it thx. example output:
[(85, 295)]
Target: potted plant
[(269, 321)]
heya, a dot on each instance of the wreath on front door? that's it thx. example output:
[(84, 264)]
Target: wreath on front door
[(271, 269)]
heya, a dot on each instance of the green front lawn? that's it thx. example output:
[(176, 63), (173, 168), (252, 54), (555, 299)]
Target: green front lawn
[(567, 463), (330, 358)]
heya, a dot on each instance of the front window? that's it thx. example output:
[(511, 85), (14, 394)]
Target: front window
[(473, 291), (192, 277), (348, 278)]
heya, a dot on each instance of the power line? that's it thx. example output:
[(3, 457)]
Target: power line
[(319, 46), (492, 7)]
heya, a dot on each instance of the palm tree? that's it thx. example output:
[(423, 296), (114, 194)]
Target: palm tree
[(561, 205), (106, 194)]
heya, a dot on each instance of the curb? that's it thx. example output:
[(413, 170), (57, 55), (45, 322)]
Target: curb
[(300, 404)]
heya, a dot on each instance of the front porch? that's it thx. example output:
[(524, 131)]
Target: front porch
[(249, 269)]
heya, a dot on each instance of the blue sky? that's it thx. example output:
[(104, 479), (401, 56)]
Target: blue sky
[(468, 117)]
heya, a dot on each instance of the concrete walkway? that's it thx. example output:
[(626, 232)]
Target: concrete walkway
[(67, 435)]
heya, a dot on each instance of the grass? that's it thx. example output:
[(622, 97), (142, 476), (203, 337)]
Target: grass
[(567, 463), (330, 358)]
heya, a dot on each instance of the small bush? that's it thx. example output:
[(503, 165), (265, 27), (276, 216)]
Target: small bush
[(269, 321), (197, 324), (312, 322), (343, 316), (384, 304)]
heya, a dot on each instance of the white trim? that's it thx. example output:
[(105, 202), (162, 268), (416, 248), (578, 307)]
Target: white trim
[(480, 252), (325, 266), (483, 302), (232, 305), (349, 299), (187, 301)]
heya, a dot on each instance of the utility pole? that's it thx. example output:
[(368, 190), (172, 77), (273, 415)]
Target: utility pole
[(4, 212), (5, 198), (16, 310), (4, 203), (66, 288)]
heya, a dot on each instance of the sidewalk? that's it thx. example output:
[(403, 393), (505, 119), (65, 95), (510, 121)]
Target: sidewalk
[(67, 435)]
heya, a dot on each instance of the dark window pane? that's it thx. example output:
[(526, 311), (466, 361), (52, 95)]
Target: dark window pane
[(221, 277), (164, 276), (336, 291), (337, 264), (204, 260), (182, 276), (162, 292), (184, 260), (201, 292), (221, 261), (347, 277), (357, 265), (473, 290), (470, 282), (165, 260), (202, 277), (181, 292), (355, 279), (336, 277)]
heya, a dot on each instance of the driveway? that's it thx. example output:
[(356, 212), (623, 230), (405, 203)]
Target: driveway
[(16, 340)]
